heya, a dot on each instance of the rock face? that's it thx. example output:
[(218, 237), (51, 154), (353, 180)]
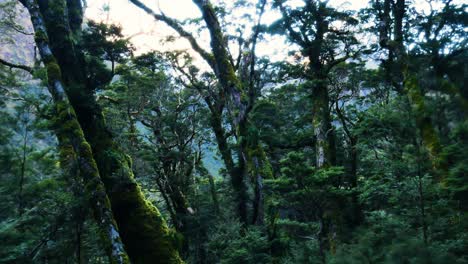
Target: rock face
[(16, 33)]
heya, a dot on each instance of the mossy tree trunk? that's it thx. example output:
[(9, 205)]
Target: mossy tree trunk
[(325, 150), (240, 90), (143, 230), (260, 169), (405, 81), (75, 152), (428, 134), (236, 172)]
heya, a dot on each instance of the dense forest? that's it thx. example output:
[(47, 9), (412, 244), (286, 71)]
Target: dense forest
[(287, 131)]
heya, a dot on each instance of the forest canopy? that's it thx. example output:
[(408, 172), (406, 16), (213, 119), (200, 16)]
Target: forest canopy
[(243, 131)]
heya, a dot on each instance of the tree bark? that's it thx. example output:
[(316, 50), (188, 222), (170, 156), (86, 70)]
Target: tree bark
[(239, 103), (75, 152), (143, 229), (403, 80), (325, 152), (23, 168), (259, 211)]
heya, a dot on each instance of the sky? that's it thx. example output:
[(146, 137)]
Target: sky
[(147, 34), (145, 31)]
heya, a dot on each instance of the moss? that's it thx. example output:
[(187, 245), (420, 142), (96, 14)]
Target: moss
[(53, 71), (86, 153), (57, 6), (67, 154), (428, 134), (125, 193), (65, 120), (264, 168), (79, 154), (177, 239), (148, 240), (129, 161), (142, 227), (40, 36)]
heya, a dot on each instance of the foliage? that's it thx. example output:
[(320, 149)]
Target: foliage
[(387, 197)]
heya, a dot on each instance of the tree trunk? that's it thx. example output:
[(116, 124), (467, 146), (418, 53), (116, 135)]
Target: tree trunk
[(75, 152), (223, 147), (143, 229), (23, 169), (259, 212), (405, 82), (429, 136), (214, 195), (325, 153)]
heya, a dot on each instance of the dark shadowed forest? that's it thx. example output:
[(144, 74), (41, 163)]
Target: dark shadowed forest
[(279, 131)]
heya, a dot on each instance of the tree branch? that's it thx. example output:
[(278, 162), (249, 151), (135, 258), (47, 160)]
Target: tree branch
[(174, 24), (17, 66)]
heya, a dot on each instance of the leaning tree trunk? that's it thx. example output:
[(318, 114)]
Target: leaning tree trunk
[(143, 230), (236, 173), (75, 152)]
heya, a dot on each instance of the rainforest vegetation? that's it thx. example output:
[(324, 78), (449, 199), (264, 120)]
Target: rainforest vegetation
[(285, 131)]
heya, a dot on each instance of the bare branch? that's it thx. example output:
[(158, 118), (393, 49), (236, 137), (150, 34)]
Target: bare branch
[(17, 66), (174, 24)]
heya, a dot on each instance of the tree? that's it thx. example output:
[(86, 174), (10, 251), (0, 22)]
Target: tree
[(322, 33), (106, 42), (128, 203), (75, 151), (241, 93)]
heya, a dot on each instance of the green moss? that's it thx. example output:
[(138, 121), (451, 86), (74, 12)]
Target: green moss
[(85, 152), (129, 161), (40, 36), (264, 168), (53, 71), (67, 154), (145, 240), (57, 6), (428, 134), (177, 239), (148, 240), (65, 121)]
